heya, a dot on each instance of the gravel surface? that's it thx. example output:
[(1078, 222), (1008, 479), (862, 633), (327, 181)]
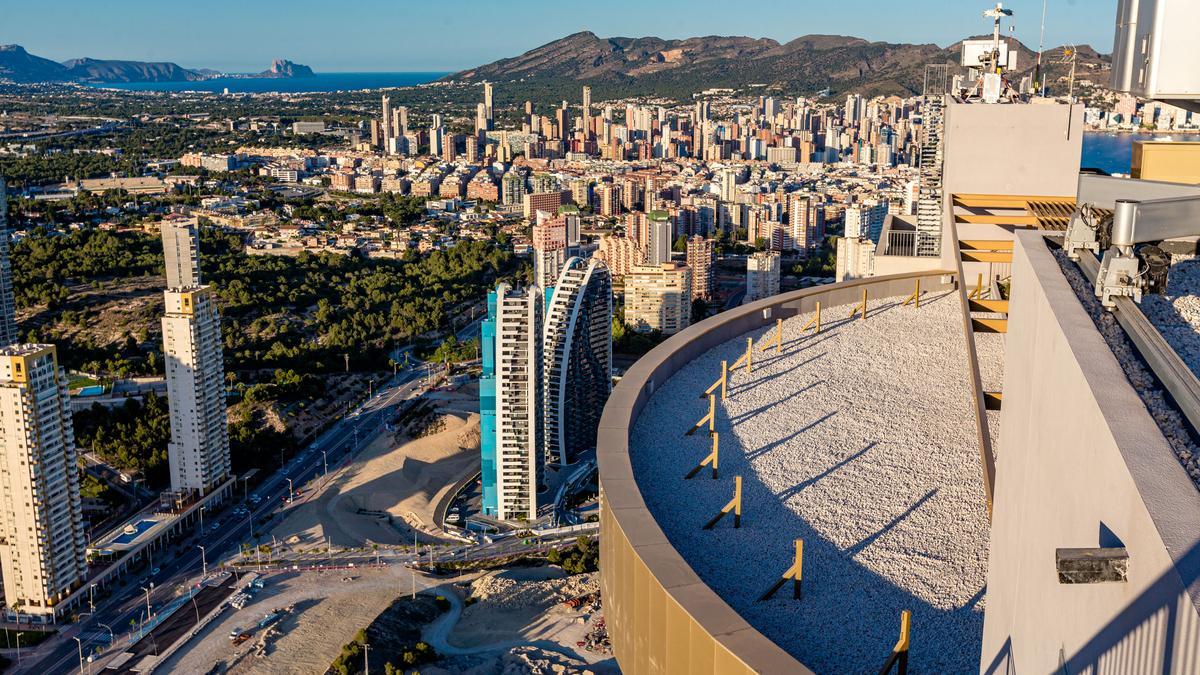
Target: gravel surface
[(861, 441), (1177, 317)]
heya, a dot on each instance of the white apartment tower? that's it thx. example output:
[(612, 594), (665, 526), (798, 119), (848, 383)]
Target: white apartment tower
[(199, 449), (518, 401), (181, 252), (659, 298), (658, 249), (41, 518), (577, 348), (762, 275), (8, 321)]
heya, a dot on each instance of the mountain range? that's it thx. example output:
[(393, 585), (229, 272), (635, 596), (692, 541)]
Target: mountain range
[(809, 63), (18, 65)]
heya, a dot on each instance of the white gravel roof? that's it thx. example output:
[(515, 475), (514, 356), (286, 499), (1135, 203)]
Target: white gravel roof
[(861, 441), (1177, 317)]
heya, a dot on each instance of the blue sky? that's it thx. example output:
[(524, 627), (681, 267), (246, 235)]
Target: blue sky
[(407, 35)]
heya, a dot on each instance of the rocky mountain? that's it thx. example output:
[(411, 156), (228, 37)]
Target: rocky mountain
[(18, 65), (282, 68), (102, 70), (806, 64)]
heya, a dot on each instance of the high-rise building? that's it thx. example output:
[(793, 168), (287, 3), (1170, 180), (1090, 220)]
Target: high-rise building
[(543, 201), (510, 403), (762, 275), (700, 260), (806, 222), (549, 242), (577, 348), (658, 249), (865, 220), (42, 539), (198, 452), (489, 111), (8, 320), (587, 103), (385, 122), (659, 298), (728, 185), (621, 254), (181, 251)]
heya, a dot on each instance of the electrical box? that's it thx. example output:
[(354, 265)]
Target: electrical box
[(1169, 162), (974, 52), (1155, 51)]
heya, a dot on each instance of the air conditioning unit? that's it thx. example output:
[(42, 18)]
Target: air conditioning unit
[(1155, 51)]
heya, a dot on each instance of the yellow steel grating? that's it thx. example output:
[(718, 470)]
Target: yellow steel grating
[(1052, 214)]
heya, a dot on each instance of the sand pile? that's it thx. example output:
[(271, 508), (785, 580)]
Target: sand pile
[(519, 588)]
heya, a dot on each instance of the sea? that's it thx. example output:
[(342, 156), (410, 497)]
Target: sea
[(256, 85), (1113, 152)]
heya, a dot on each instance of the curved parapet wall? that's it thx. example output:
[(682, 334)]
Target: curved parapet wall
[(661, 617)]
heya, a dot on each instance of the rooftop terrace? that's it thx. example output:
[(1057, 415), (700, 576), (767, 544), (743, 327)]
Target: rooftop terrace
[(861, 440)]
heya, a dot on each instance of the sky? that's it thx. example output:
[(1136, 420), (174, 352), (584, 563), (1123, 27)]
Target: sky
[(407, 35)]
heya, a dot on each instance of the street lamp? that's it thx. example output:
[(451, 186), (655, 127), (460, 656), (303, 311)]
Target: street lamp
[(325, 459), (147, 590), (290, 491), (366, 659), (79, 644), (91, 598), (203, 563), (111, 638), (201, 519)]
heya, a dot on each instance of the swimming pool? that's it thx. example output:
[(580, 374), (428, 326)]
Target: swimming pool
[(92, 390), (138, 528)]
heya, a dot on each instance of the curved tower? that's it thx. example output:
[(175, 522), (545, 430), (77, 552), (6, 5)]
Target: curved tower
[(577, 348)]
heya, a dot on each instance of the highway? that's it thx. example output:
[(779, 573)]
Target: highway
[(180, 564)]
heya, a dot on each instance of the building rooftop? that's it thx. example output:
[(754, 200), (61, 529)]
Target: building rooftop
[(861, 441)]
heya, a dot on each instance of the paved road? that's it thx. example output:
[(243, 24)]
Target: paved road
[(180, 565)]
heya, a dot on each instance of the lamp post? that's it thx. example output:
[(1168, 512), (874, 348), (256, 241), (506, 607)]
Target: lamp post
[(325, 459), (203, 563), (91, 598), (79, 644), (366, 659), (147, 590), (111, 638), (201, 520), (291, 492)]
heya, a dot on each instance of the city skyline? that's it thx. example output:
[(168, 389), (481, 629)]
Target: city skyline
[(76, 29)]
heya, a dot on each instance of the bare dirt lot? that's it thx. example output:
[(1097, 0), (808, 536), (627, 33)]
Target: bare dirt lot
[(401, 480), (326, 613)]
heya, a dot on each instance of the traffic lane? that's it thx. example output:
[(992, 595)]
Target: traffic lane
[(134, 605)]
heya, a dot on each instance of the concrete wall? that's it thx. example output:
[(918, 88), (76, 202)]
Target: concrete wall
[(1009, 150), (1082, 464), (661, 617)]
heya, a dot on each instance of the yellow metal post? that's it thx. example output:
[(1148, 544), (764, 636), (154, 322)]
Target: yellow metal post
[(795, 573), (899, 655), (710, 418), (978, 292), (737, 501), (749, 354), (734, 505), (862, 306), (777, 340), (915, 297), (721, 383), (710, 461)]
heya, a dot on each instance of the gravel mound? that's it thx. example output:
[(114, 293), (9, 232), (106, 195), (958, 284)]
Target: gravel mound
[(861, 441), (1177, 317), (508, 590)]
